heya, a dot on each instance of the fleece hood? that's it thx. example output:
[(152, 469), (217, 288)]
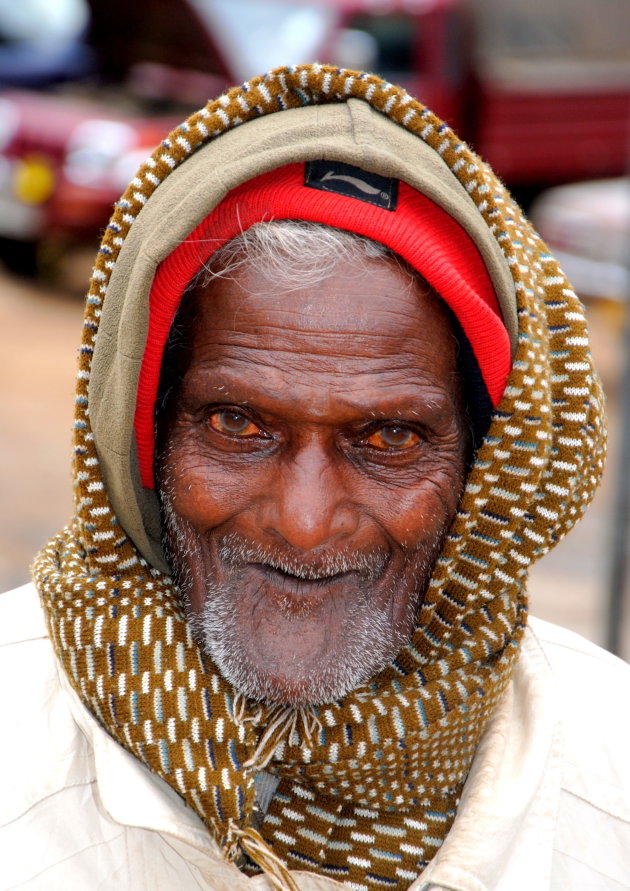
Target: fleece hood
[(391, 757)]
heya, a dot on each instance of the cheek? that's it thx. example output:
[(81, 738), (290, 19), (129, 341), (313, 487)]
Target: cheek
[(202, 491), (419, 511)]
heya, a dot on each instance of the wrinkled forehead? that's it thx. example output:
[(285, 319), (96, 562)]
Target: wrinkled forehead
[(358, 306), (367, 337)]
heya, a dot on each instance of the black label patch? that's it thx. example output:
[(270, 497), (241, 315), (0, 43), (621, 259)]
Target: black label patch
[(345, 179)]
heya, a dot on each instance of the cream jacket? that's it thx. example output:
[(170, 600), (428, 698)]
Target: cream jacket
[(546, 804)]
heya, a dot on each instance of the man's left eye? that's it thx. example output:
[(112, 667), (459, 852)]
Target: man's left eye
[(233, 423), (393, 437)]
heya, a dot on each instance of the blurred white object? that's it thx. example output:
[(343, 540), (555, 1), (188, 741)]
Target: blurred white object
[(42, 20), (259, 36), (355, 49), (587, 227), (94, 148)]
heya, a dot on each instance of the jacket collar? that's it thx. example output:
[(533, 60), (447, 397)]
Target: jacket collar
[(130, 792), (503, 834)]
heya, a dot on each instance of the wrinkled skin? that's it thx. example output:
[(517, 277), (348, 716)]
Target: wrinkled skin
[(309, 467)]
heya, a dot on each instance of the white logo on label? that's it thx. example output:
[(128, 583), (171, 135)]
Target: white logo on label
[(353, 180)]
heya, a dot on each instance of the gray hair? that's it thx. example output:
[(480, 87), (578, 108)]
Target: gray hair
[(293, 253)]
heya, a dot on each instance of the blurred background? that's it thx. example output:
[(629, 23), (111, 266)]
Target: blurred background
[(540, 88)]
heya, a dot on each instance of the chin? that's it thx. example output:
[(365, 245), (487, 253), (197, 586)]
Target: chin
[(295, 664)]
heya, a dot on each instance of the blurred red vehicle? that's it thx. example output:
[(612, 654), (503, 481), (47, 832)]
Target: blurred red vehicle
[(93, 110), (541, 90)]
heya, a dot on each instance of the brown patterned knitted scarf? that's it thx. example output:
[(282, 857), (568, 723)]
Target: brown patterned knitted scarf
[(369, 786)]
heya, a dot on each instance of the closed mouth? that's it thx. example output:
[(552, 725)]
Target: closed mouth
[(307, 580), (298, 598)]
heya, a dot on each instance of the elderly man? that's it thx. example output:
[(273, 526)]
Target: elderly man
[(334, 398)]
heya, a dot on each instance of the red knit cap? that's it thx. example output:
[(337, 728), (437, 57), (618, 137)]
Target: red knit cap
[(418, 230)]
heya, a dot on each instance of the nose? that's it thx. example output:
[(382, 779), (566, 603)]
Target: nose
[(309, 506)]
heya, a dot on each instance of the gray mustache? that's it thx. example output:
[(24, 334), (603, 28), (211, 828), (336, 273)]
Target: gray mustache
[(236, 551)]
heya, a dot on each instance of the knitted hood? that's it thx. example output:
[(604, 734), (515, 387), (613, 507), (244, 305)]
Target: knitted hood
[(532, 476), (361, 120), (351, 131)]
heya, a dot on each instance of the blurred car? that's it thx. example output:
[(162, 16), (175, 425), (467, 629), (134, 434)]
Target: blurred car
[(551, 94), (522, 83), (587, 227), (64, 160), (73, 126)]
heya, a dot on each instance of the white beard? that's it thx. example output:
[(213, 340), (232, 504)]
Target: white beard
[(369, 638)]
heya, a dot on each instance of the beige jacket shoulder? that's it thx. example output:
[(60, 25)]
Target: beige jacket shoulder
[(546, 805)]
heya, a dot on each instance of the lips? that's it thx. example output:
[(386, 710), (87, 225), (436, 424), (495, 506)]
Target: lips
[(308, 579), (297, 596)]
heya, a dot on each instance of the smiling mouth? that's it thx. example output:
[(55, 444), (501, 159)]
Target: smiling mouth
[(308, 579), (299, 597)]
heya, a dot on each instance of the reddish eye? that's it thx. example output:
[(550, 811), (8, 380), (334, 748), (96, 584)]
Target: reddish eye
[(233, 423), (393, 437)]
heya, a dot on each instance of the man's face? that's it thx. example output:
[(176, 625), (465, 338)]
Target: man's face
[(310, 466)]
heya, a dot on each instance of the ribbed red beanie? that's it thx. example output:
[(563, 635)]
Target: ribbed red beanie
[(416, 229)]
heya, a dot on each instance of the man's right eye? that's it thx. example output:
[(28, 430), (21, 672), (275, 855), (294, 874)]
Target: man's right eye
[(233, 423)]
